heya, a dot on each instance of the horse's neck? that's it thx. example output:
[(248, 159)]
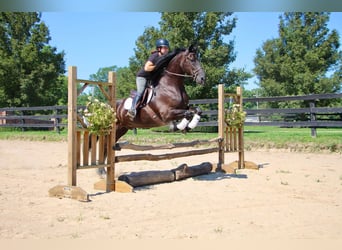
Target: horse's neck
[(169, 80), (175, 65)]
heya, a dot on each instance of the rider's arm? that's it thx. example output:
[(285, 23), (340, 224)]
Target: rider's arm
[(149, 66)]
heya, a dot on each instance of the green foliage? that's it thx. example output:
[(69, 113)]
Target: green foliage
[(99, 116), (63, 90), (100, 76), (125, 81), (304, 59), (234, 118), (30, 69)]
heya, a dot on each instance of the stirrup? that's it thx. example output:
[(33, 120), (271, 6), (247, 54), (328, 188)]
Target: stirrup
[(132, 113)]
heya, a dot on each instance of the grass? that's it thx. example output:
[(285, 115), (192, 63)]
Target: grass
[(295, 139), (256, 137), (33, 135)]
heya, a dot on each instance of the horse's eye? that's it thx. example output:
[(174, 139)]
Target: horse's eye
[(192, 57)]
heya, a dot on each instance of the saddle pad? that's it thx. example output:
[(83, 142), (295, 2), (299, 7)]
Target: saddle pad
[(128, 103)]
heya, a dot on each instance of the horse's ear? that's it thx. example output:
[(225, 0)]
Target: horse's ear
[(192, 48)]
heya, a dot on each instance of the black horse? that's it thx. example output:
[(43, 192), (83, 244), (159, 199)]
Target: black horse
[(168, 99)]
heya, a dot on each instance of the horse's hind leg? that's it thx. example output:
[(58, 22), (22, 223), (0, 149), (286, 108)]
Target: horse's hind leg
[(120, 131), (101, 172)]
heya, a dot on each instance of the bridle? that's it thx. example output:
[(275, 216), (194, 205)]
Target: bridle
[(194, 72), (176, 74)]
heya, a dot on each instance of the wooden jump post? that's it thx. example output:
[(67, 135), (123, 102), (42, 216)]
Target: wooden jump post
[(78, 140), (232, 137)]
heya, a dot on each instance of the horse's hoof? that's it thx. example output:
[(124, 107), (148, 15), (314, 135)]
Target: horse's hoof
[(101, 172), (117, 147), (198, 111), (188, 114), (130, 116)]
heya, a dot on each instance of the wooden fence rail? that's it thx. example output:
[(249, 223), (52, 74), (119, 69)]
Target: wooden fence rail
[(50, 117), (315, 117)]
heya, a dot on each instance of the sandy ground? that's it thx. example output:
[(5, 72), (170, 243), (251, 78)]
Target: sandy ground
[(293, 196)]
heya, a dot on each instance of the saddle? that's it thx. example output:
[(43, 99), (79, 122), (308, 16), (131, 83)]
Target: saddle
[(146, 97)]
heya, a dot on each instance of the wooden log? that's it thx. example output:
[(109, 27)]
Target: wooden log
[(183, 171), (137, 179), (151, 157), (127, 145)]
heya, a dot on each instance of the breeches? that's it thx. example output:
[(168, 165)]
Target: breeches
[(141, 84)]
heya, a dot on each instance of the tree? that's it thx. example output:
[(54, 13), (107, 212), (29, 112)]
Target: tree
[(125, 81), (30, 69), (205, 29), (303, 60)]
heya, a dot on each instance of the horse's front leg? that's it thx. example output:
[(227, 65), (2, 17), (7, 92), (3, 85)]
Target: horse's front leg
[(195, 118), (189, 121)]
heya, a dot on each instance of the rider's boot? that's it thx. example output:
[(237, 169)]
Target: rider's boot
[(133, 111)]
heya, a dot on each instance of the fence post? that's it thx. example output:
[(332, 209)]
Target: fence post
[(313, 118), (110, 182), (56, 120), (221, 123), (240, 131), (72, 119), (22, 121)]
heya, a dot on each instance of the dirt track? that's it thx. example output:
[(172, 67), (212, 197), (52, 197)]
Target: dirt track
[(294, 196)]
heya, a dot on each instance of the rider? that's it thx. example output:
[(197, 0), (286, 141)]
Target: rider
[(162, 46)]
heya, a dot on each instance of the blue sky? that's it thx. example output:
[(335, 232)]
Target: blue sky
[(92, 40)]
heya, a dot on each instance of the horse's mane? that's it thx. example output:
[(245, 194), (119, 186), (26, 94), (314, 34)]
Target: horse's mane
[(162, 62)]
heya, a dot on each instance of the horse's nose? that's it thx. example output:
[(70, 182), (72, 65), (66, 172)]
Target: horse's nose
[(202, 79)]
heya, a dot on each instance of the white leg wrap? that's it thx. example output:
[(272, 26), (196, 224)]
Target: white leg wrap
[(194, 121), (182, 125)]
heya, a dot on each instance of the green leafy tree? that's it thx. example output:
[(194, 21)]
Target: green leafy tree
[(208, 31), (63, 99), (125, 81), (100, 76), (304, 59), (30, 69)]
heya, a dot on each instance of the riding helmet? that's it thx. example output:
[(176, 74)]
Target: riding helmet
[(162, 42)]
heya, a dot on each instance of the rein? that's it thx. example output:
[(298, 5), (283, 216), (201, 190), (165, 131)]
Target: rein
[(175, 74), (194, 73)]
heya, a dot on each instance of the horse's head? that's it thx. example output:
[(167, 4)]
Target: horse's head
[(192, 66)]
